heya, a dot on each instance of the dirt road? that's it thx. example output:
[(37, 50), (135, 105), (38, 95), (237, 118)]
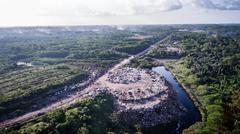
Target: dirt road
[(74, 97)]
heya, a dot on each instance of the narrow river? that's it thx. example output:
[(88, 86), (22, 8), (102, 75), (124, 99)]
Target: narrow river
[(192, 114)]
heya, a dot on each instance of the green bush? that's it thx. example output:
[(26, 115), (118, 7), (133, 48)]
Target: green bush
[(86, 116)]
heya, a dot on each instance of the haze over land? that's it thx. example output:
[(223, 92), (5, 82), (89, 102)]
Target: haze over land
[(109, 12)]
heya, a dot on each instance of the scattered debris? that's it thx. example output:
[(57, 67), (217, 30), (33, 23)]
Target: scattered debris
[(141, 96)]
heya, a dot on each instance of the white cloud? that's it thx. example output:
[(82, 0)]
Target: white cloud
[(218, 4), (86, 7), (105, 7), (32, 12), (154, 6)]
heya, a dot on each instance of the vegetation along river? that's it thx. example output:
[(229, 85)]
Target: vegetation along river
[(192, 114)]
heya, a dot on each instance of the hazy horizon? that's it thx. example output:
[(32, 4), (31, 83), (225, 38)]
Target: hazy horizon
[(14, 13), (22, 26)]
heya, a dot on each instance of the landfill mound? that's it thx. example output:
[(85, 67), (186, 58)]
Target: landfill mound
[(141, 96)]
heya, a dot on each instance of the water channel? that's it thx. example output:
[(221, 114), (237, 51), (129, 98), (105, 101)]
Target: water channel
[(192, 114)]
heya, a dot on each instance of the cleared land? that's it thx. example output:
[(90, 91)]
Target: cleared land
[(37, 69), (208, 68), (139, 94), (72, 98)]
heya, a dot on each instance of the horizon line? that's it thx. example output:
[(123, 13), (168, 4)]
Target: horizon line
[(22, 26)]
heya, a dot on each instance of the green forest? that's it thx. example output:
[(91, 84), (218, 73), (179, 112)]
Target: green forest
[(84, 117), (211, 69), (206, 63)]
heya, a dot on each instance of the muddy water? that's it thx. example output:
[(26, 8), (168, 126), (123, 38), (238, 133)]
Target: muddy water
[(192, 114)]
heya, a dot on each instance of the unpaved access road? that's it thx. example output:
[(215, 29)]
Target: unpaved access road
[(76, 96)]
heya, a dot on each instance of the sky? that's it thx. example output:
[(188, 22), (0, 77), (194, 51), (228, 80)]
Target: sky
[(117, 12)]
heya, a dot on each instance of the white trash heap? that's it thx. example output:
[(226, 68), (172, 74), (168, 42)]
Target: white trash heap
[(143, 97), (124, 75)]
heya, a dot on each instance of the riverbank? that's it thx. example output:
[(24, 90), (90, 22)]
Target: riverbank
[(191, 114), (167, 64), (189, 92), (190, 89), (155, 107)]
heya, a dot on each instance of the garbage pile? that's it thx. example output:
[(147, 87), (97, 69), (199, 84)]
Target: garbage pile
[(124, 75), (142, 96)]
